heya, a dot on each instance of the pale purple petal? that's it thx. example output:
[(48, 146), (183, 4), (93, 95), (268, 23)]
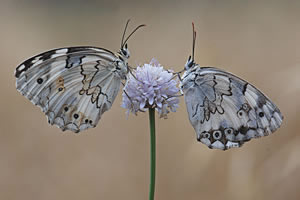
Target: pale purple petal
[(151, 86)]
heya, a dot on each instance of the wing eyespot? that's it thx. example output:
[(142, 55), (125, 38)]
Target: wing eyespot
[(246, 107), (217, 135), (228, 131), (206, 135), (76, 116), (240, 113), (39, 80), (261, 114)]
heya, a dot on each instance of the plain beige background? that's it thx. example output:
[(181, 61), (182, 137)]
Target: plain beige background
[(256, 40)]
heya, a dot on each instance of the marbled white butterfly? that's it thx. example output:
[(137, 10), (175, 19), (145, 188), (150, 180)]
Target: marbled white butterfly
[(74, 86), (225, 110)]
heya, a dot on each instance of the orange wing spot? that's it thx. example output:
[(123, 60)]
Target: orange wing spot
[(60, 84), (60, 80)]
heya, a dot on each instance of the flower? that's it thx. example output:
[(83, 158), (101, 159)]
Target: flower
[(150, 86)]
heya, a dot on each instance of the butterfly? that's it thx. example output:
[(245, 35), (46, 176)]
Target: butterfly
[(74, 86), (225, 110)]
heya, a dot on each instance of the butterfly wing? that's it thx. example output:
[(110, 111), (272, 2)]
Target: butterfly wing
[(73, 86), (225, 110)]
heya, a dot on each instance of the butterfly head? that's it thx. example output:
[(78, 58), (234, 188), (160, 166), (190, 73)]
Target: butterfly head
[(125, 52), (189, 63)]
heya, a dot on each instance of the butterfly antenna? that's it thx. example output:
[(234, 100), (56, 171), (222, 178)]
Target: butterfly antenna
[(194, 40), (122, 44), (132, 33)]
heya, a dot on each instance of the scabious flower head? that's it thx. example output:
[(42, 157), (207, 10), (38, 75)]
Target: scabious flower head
[(150, 86)]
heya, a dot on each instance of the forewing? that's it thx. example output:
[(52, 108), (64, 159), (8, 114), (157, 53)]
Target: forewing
[(73, 86), (225, 110)]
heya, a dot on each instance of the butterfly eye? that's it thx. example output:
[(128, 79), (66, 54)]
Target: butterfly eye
[(124, 52), (189, 63)]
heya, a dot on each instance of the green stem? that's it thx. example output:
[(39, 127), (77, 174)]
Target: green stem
[(152, 153)]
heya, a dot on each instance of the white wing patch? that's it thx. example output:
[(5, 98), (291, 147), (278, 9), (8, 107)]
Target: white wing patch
[(73, 86), (225, 110)]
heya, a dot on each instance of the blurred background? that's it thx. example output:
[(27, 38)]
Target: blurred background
[(256, 40)]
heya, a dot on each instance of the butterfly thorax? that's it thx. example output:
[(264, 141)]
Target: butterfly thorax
[(188, 75), (121, 65)]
